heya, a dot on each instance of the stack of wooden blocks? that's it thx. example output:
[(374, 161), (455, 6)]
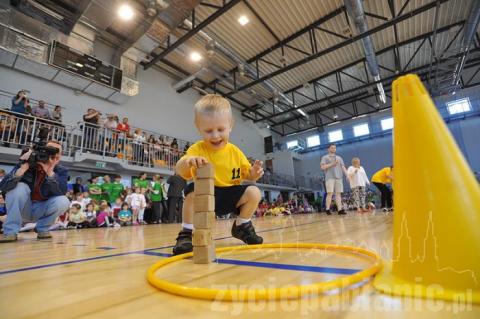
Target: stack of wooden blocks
[(204, 216)]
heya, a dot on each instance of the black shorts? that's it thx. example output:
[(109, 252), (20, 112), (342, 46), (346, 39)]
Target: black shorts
[(226, 198)]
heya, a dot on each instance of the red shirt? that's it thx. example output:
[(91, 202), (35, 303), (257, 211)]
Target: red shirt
[(39, 178), (123, 127)]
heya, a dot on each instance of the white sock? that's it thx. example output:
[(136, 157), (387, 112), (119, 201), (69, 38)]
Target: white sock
[(187, 226), (240, 221)]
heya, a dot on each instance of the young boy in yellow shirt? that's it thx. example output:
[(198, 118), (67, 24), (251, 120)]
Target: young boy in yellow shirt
[(214, 121)]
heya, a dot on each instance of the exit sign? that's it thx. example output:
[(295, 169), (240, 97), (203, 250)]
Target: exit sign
[(100, 164)]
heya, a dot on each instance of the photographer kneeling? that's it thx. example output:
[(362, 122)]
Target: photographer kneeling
[(35, 191)]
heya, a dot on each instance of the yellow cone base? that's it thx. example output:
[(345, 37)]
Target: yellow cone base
[(389, 284)]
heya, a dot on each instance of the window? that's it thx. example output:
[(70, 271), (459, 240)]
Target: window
[(335, 136), (292, 144), (361, 129), (387, 124), (313, 140), (459, 106)]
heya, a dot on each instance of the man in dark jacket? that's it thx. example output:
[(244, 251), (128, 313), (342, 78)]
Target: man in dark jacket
[(175, 197), (34, 194)]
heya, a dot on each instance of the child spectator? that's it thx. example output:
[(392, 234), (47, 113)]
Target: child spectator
[(103, 217), (77, 218), (91, 215), (41, 110), (358, 181), (86, 199), (125, 215), (61, 222), (79, 200), (116, 207), (138, 204)]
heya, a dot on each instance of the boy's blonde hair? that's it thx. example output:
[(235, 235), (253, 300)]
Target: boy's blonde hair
[(212, 104), (355, 159)]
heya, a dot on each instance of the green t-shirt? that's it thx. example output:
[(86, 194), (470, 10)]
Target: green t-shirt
[(157, 193), (142, 183), (97, 197), (106, 190), (116, 190)]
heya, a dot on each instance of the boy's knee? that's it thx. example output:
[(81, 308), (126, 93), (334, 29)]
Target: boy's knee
[(253, 193)]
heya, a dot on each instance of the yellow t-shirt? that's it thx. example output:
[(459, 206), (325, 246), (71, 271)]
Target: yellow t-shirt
[(231, 165), (382, 176)]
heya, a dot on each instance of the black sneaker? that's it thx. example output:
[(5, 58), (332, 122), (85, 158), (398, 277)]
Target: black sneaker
[(246, 233), (342, 212), (328, 212), (184, 242)]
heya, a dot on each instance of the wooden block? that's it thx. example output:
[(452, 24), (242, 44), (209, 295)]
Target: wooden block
[(206, 171), (202, 237), (204, 254), (204, 220), (205, 186), (204, 203)]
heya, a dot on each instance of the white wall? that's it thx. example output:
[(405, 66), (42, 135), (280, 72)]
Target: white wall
[(157, 107), (283, 163)]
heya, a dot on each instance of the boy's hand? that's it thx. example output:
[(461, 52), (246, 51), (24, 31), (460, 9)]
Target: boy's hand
[(257, 170), (196, 161)]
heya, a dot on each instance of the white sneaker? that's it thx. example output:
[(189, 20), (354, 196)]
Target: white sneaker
[(117, 225)]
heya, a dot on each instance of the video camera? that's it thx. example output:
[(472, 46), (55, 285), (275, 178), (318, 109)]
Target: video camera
[(41, 153)]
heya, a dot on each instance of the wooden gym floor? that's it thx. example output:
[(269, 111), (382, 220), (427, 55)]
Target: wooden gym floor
[(100, 273)]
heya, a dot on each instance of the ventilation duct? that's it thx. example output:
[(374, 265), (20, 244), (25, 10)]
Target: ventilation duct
[(357, 14)]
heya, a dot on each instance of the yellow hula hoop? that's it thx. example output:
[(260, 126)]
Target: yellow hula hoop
[(290, 292)]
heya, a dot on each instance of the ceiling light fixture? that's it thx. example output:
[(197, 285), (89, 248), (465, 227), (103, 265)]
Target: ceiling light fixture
[(243, 20), (125, 12), (195, 56)]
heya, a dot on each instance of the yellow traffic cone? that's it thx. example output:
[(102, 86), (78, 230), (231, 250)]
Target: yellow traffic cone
[(436, 237)]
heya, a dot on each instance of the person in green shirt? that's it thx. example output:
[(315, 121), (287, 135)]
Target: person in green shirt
[(95, 190), (116, 189), (156, 196), (106, 188), (141, 182)]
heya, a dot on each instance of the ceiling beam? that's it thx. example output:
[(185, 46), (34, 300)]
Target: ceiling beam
[(191, 33)]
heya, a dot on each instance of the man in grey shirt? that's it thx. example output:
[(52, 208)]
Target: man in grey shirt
[(334, 169)]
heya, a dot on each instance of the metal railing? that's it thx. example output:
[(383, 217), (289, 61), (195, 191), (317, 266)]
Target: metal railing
[(20, 130)]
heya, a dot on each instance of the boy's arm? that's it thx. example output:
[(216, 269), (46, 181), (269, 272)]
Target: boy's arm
[(186, 163), (256, 171)]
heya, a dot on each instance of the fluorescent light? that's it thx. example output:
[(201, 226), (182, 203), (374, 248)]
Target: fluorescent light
[(79, 65), (302, 112), (125, 12), (243, 20), (195, 56)]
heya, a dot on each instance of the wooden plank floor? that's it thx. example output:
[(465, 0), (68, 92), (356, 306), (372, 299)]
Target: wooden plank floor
[(100, 273)]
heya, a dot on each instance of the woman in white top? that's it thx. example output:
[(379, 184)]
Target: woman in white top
[(358, 181)]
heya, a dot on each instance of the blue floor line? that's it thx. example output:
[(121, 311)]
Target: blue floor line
[(317, 269), (3, 272)]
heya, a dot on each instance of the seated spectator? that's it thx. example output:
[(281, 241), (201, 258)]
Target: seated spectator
[(91, 215), (57, 114), (77, 218), (104, 218), (41, 110), (116, 207), (78, 200), (125, 215), (61, 222)]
